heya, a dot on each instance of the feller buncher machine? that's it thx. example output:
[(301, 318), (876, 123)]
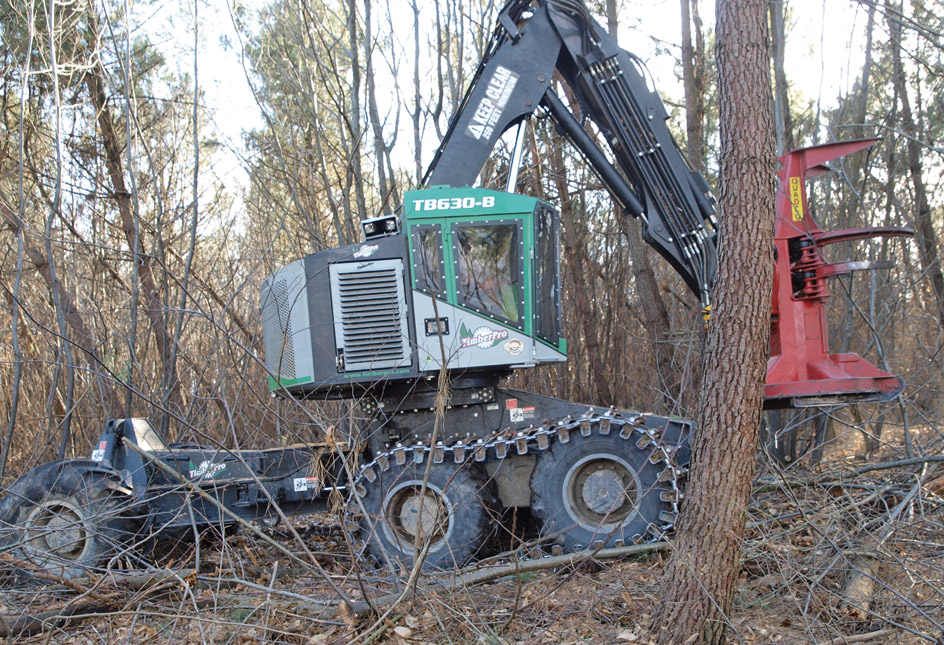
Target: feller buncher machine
[(463, 285)]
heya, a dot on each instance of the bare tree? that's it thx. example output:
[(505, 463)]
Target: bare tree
[(693, 79), (650, 306), (924, 226), (154, 307), (783, 116)]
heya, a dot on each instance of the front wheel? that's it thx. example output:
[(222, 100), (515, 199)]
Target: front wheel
[(65, 519), (608, 486), (454, 513)]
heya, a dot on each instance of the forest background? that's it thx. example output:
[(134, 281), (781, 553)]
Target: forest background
[(136, 230)]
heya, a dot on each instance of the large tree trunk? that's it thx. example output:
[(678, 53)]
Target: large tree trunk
[(700, 581)]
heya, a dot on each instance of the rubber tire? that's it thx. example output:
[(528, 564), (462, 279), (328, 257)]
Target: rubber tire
[(550, 477), (469, 505), (103, 517)]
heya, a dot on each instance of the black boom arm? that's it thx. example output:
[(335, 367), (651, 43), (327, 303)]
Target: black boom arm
[(648, 175)]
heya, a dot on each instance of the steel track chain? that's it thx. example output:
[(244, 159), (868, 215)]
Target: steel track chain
[(538, 439)]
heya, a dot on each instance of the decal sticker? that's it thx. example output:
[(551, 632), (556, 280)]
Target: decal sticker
[(511, 404), (206, 469), (490, 108), (303, 484), (491, 406), (99, 455), (521, 414), (448, 203), (514, 347), (366, 251), (796, 198), (483, 337)]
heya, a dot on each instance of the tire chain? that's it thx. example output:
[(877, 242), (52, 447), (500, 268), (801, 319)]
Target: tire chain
[(536, 439)]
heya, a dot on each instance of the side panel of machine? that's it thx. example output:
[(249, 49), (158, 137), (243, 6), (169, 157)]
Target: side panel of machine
[(351, 304), (286, 328), (245, 482), (468, 340)]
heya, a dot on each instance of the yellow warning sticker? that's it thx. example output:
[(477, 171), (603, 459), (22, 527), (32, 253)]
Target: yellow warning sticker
[(796, 198)]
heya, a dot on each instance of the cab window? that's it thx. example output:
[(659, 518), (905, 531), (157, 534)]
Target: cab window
[(488, 269), (547, 324), (428, 269)]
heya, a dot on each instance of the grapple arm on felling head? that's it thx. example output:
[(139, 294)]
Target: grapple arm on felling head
[(801, 372)]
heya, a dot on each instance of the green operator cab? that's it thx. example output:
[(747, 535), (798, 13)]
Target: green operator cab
[(468, 275)]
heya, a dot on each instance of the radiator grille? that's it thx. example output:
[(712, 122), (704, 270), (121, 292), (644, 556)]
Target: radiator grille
[(370, 307)]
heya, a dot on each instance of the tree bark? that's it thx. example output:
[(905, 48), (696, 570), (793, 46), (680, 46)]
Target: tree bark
[(612, 18), (700, 581)]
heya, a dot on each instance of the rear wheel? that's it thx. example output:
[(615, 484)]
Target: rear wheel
[(66, 520), (454, 513), (604, 489)]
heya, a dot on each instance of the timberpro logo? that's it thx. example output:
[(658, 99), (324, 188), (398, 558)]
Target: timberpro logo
[(366, 251), (490, 108), (206, 469), (483, 337)]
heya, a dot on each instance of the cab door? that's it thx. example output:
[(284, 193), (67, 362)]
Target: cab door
[(470, 278)]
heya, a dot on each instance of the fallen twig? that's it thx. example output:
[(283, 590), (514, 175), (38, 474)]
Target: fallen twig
[(834, 478), (363, 608), (26, 624), (863, 638)]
